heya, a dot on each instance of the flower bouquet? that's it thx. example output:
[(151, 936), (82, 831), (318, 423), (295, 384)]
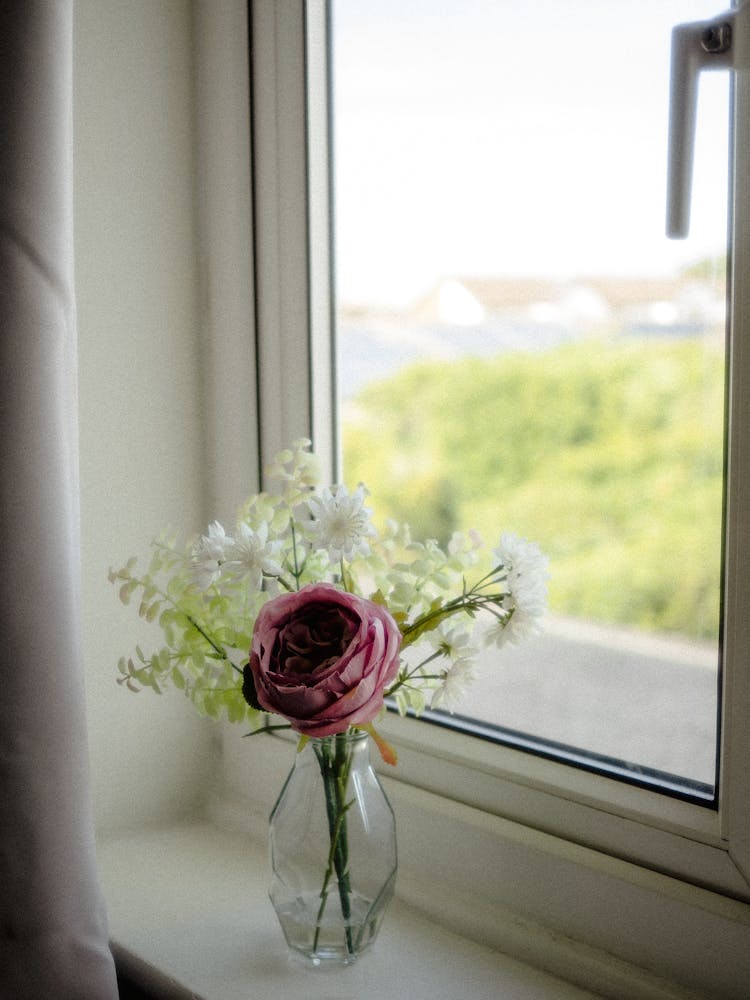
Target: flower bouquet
[(307, 618)]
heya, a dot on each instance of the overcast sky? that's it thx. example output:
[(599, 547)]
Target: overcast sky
[(482, 137)]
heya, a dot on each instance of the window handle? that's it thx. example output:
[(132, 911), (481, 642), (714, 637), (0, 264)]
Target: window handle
[(696, 46)]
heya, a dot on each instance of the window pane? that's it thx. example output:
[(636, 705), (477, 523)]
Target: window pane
[(521, 348)]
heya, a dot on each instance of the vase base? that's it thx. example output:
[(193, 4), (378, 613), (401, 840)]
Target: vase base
[(322, 959), (325, 939)]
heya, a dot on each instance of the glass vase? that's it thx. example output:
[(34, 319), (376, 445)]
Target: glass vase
[(333, 850)]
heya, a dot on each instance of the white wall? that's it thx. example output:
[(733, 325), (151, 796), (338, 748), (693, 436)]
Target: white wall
[(141, 404)]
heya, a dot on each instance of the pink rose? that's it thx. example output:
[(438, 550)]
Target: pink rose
[(321, 658)]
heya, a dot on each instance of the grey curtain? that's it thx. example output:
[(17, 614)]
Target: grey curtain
[(53, 933)]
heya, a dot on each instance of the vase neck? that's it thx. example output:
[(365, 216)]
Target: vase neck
[(351, 747), (350, 738)]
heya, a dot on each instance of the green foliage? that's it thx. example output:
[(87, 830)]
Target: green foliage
[(193, 659), (609, 454), (206, 596)]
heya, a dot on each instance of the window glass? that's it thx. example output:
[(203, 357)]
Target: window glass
[(521, 348)]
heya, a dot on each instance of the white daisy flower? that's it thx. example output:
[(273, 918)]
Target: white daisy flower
[(523, 558), (208, 555), (253, 556), (341, 522), (526, 600), (452, 687), (455, 643), (522, 624)]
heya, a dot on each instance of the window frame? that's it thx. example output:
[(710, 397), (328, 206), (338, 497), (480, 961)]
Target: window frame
[(293, 280), (291, 216)]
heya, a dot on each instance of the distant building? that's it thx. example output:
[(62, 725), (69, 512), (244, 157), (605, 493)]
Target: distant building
[(581, 305)]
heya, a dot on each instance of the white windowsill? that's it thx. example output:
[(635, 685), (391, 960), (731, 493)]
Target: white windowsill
[(190, 918), (509, 903), (510, 906)]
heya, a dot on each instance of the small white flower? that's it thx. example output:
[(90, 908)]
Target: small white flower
[(253, 556), (527, 568), (456, 644), (453, 641), (453, 684), (522, 624), (401, 593), (526, 582), (463, 548), (297, 468), (208, 556), (341, 522)]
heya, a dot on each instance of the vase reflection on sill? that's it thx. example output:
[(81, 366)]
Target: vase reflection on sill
[(332, 842)]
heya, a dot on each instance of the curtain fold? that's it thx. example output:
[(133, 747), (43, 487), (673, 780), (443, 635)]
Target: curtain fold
[(53, 930)]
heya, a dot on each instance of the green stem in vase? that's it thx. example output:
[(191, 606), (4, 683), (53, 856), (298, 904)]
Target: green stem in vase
[(335, 762), (341, 856)]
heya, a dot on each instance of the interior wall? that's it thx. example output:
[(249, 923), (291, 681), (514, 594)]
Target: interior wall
[(141, 411)]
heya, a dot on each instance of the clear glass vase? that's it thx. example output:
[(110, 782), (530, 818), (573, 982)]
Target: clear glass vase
[(333, 850)]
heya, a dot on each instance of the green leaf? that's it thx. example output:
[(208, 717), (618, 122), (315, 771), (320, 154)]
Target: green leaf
[(235, 709), (417, 701), (401, 703), (151, 682), (152, 611), (426, 623)]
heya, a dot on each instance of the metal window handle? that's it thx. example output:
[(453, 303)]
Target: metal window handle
[(696, 46)]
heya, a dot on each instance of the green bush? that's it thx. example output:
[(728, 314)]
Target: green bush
[(609, 454)]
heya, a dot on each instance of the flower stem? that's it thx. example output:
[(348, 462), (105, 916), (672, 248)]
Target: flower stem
[(297, 571), (406, 675), (470, 602), (335, 762)]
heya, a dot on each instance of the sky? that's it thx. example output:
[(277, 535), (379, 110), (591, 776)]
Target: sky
[(508, 138)]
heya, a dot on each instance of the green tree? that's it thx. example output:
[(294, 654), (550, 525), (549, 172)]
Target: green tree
[(610, 454)]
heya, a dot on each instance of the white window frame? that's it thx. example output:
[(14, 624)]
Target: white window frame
[(292, 227), (684, 863)]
